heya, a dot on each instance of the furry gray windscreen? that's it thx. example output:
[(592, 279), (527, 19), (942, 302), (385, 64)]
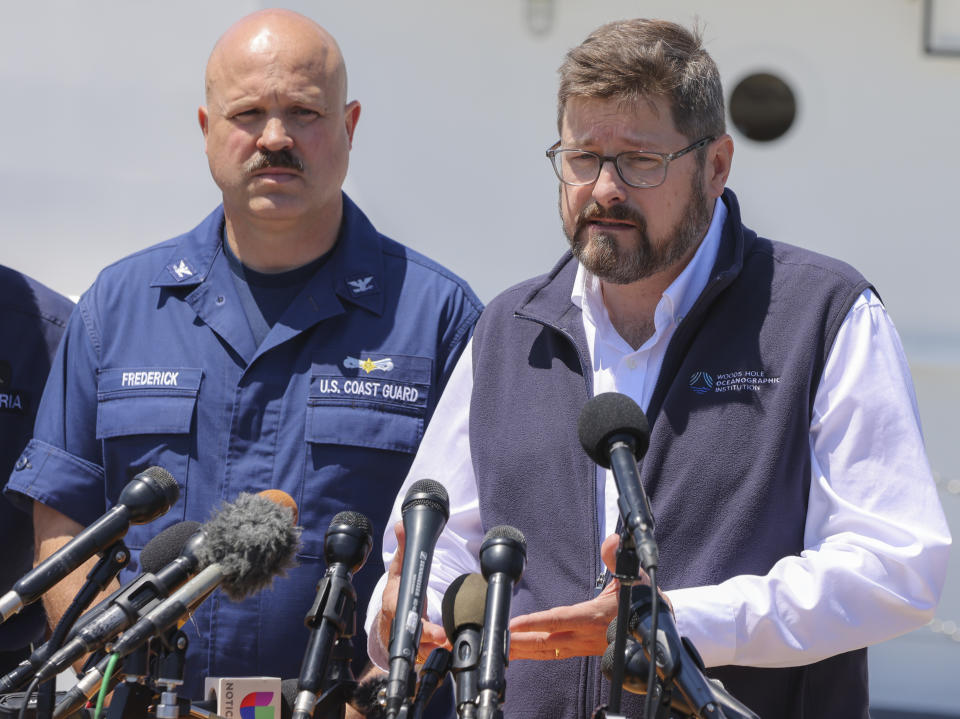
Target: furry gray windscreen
[(253, 540)]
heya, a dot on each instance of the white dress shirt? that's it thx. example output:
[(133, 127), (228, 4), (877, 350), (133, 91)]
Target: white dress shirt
[(875, 541)]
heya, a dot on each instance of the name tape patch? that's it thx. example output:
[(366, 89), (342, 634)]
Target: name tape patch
[(372, 389), (150, 378), (126, 379), (14, 402)]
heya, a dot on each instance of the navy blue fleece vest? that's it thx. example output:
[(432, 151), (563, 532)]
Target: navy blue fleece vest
[(727, 471)]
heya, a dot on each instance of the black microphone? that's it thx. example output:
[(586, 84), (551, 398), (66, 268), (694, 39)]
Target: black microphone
[(432, 674), (365, 696), (346, 546), (464, 604), (636, 667), (147, 496), (288, 696), (122, 609), (117, 611), (246, 543), (503, 554), (678, 661), (614, 432), (425, 511)]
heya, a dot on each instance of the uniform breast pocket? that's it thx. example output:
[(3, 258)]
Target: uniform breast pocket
[(144, 419), (365, 418)]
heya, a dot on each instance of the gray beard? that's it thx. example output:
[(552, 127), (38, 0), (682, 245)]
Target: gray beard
[(602, 257)]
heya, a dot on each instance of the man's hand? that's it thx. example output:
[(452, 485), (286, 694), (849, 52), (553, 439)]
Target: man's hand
[(564, 632), (575, 631), (432, 635)]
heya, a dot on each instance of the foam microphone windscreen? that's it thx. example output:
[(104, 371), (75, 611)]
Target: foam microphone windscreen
[(609, 414), (288, 696), (278, 496), (252, 540), (166, 546), (464, 603)]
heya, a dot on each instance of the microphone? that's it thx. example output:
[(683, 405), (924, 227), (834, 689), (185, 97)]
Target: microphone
[(432, 674), (345, 547), (365, 696), (679, 662), (246, 543), (464, 604), (147, 496), (425, 511), (120, 609), (288, 697), (636, 668), (503, 554), (614, 433)]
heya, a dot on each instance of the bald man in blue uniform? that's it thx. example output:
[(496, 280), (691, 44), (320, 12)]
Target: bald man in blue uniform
[(282, 343)]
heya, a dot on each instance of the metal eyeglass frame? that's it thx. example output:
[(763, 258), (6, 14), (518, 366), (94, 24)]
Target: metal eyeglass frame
[(666, 158)]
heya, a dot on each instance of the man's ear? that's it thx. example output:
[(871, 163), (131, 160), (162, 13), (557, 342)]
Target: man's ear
[(719, 161), (203, 119), (351, 115)]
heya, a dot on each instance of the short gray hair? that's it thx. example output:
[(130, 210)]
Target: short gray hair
[(633, 59)]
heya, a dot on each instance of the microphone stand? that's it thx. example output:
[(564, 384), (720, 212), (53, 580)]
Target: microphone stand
[(115, 558), (339, 684), (332, 620), (141, 687), (627, 573)]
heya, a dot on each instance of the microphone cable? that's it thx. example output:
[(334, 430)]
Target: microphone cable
[(31, 688), (652, 671), (105, 686)]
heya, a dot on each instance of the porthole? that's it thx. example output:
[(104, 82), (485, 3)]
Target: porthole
[(763, 107)]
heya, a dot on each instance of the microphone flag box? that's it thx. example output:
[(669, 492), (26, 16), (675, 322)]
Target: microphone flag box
[(245, 697)]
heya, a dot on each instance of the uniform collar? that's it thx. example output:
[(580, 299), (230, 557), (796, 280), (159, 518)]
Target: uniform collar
[(356, 264)]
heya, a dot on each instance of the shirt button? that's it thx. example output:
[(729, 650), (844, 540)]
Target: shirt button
[(220, 299), (22, 463), (632, 363)]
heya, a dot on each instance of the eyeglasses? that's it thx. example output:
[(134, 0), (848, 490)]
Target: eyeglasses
[(637, 169)]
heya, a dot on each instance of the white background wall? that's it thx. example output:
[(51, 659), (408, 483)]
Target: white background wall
[(102, 156)]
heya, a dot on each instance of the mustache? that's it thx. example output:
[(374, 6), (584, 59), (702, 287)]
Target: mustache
[(273, 158), (624, 213)]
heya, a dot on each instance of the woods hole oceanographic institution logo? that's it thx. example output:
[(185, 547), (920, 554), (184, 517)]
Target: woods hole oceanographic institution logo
[(743, 380), (701, 382)]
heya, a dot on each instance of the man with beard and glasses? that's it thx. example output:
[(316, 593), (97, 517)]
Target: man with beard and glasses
[(796, 515), (282, 343)]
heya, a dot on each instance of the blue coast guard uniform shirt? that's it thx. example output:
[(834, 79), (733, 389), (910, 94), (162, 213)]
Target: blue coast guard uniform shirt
[(32, 320), (159, 367)]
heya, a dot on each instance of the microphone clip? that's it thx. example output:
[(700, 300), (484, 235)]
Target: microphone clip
[(335, 601)]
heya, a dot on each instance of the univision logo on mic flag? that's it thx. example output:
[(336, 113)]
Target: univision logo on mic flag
[(257, 705), (245, 697)]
